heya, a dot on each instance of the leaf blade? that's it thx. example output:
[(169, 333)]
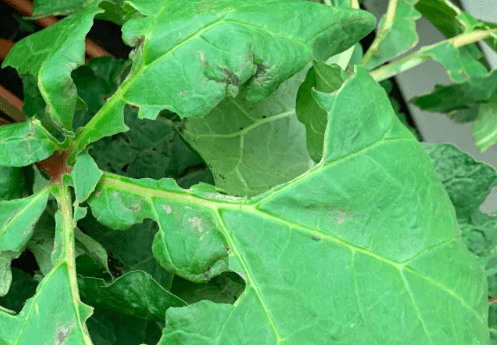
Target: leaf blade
[(282, 242)]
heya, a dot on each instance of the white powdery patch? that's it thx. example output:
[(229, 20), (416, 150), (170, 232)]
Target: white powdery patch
[(167, 208), (196, 223)]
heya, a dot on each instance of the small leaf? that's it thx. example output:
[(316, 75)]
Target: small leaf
[(458, 63), (191, 46), (467, 181), (17, 220), (396, 36), (325, 78), (455, 97), (50, 55), (85, 176), (485, 125), (135, 293), (251, 147), (24, 143)]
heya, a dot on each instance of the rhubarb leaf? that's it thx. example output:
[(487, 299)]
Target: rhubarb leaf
[(325, 256), (208, 51)]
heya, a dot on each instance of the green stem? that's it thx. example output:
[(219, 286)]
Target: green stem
[(420, 56), (386, 25), (67, 254), (355, 4), (84, 137)]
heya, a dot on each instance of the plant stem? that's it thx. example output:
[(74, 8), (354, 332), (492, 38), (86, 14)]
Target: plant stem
[(354, 4), (67, 254), (421, 55), (386, 25)]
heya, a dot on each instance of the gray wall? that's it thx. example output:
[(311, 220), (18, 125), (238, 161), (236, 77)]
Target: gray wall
[(437, 128)]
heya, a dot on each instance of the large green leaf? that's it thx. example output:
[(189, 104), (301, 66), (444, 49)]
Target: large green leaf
[(396, 35), (251, 147), (24, 143), (135, 293), (50, 55), (325, 78), (208, 51), (17, 220), (467, 181), (327, 256)]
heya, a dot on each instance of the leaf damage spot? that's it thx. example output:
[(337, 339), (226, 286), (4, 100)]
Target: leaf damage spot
[(167, 208), (62, 334), (315, 238), (196, 223)]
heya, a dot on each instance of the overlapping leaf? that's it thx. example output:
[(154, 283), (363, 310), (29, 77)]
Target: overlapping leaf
[(135, 294), (206, 52), (312, 250), (251, 147), (325, 78), (50, 55)]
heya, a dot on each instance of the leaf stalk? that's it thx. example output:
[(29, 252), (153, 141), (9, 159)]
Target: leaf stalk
[(418, 57)]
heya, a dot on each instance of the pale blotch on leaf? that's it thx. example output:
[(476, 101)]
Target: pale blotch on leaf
[(167, 208), (196, 223)]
